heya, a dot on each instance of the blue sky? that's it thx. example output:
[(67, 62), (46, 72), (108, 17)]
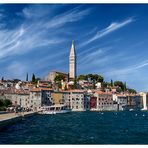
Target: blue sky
[(111, 40)]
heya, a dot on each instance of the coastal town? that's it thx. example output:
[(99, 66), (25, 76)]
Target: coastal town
[(77, 93)]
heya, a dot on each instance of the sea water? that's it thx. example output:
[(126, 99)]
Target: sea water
[(79, 128)]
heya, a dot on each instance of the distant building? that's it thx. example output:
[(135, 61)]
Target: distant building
[(51, 76), (144, 100), (104, 101), (72, 62)]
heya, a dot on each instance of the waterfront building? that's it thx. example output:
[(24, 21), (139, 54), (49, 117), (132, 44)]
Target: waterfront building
[(40, 97), (58, 98), (75, 99), (134, 101), (120, 100), (93, 103), (144, 100), (72, 62), (104, 101), (87, 102), (18, 97)]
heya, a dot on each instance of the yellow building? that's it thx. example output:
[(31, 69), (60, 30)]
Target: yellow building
[(57, 97)]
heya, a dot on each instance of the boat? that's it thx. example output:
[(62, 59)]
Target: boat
[(55, 109)]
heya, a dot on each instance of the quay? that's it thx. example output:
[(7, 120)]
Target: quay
[(10, 118)]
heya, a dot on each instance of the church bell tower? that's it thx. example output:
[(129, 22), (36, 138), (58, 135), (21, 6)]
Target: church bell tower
[(72, 62)]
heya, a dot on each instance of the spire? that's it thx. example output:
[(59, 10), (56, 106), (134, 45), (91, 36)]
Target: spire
[(72, 61), (72, 51)]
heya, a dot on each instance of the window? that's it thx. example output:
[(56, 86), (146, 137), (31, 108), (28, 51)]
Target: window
[(76, 107)]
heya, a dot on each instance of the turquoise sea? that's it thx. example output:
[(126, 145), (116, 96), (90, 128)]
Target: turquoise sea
[(79, 128)]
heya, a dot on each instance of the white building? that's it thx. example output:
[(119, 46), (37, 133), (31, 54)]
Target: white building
[(144, 100)]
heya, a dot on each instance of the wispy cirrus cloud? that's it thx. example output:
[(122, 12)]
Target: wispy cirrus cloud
[(37, 32), (67, 17), (129, 69), (111, 28)]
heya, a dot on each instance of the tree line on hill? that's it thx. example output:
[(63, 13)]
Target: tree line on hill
[(120, 86)]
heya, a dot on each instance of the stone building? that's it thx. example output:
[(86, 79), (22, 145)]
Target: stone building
[(104, 101), (134, 101), (51, 76), (75, 99), (40, 97), (57, 98), (18, 97), (120, 101)]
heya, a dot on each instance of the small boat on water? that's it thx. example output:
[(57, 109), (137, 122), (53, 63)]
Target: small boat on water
[(55, 109)]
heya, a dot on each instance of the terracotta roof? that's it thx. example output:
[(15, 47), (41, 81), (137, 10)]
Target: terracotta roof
[(101, 92), (74, 90), (39, 89), (15, 91), (46, 88), (35, 90)]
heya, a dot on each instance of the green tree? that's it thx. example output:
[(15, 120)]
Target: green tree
[(119, 84), (33, 78), (90, 76), (27, 77), (133, 91), (125, 86), (100, 78), (1, 103), (111, 83), (2, 79), (7, 103), (59, 77), (104, 84), (82, 77), (75, 84)]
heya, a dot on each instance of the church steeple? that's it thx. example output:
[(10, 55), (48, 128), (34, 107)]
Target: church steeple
[(72, 62), (72, 51)]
